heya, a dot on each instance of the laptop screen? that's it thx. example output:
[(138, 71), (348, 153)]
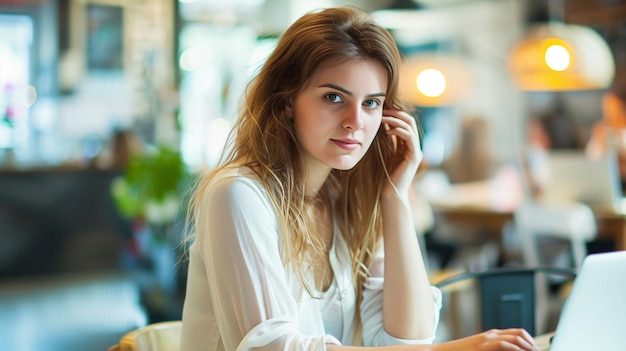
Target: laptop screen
[(594, 314), (575, 177)]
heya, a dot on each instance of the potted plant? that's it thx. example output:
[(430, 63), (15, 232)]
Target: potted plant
[(150, 193), (152, 188)]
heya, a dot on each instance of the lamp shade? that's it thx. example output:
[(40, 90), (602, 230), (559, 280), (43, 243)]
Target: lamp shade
[(561, 57), (434, 79)]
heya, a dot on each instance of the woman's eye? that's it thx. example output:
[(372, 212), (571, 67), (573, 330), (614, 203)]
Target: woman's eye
[(333, 97), (371, 103)]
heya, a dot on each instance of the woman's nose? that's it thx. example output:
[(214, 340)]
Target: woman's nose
[(353, 118)]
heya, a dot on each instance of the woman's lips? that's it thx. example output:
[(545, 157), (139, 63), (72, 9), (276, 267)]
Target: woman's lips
[(346, 144)]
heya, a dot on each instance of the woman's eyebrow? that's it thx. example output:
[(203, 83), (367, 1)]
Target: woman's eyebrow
[(347, 92)]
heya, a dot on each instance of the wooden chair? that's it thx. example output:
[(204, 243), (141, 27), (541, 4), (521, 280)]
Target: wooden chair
[(161, 336)]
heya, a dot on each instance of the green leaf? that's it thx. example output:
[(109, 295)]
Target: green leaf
[(150, 177)]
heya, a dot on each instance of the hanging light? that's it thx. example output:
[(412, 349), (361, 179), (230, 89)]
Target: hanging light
[(429, 76), (561, 57), (434, 79), (412, 23)]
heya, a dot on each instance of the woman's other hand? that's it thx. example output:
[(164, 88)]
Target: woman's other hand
[(493, 340)]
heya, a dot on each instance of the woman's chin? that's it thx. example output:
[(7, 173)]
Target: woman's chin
[(345, 165)]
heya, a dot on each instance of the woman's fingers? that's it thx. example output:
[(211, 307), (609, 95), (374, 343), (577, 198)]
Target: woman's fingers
[(401, 121), (403, 116), (508, 339), (402, 129), (514, 339), (403, 126)]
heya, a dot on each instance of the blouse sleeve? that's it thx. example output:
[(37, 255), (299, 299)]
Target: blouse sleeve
[(252, 301), (374, 333)]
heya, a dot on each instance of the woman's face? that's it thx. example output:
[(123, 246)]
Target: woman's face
[(338, 113)]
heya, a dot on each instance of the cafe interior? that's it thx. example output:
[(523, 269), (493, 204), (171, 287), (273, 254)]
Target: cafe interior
[(108, 108)]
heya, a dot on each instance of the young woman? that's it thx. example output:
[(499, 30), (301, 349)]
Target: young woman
[(304, 238)]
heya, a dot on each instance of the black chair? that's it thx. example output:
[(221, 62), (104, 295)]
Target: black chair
[(507, 296)]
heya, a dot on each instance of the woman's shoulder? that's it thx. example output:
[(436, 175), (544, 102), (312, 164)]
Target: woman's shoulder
[(234, 178), (235, 183), (234, 175), (234, 207)]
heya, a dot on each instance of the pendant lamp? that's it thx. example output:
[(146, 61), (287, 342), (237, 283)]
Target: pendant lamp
[(428, 77), (412, 23), (561, 57), (434, 79)]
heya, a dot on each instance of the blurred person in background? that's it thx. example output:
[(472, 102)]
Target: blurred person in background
[(125, 144), (562, 131), (553, 130), (471, 160), (609, 133)]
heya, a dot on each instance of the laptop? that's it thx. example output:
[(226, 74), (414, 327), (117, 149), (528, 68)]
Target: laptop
[(594, 314), (575, 177)]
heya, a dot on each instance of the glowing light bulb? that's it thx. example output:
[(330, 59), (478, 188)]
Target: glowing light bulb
[(431, 82), (557, 57)]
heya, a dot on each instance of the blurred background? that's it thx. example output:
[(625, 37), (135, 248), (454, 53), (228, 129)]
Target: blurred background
[(108, 108)]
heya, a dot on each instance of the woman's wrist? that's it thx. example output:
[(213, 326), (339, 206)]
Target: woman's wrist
[(395, 198)]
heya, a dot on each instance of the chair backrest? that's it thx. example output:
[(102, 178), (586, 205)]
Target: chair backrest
[(557, 219), (161, 336), (507, 295), (574, 223)]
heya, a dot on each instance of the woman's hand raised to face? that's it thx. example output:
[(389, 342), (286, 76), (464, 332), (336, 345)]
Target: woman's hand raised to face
[(493, 340), (403, 128)]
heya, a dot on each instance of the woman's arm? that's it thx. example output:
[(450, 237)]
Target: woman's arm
[(408, 311), (408, 299), (239, 247), (491, 340)]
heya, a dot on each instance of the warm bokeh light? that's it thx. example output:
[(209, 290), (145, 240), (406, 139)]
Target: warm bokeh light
[(434, 79), (557, 57), (561, 57), (431, 82)]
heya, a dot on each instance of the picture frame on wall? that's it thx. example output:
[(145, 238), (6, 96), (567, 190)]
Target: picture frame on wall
[(104, 37)]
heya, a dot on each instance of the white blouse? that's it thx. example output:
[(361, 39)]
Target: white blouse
[(240, 297)]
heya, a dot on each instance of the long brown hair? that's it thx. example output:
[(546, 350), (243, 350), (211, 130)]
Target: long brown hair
[(264, 138)]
